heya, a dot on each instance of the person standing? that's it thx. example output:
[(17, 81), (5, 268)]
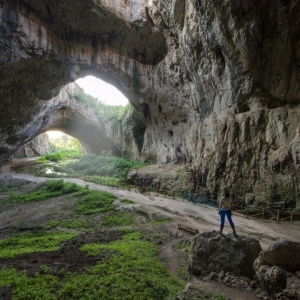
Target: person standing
[(225, 206)]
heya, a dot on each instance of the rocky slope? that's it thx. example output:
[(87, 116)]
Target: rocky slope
[(214, 84)]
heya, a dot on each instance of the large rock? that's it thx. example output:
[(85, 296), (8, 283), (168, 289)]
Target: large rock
[(276, 265), (285, 254), (212, 252), (36, 147)]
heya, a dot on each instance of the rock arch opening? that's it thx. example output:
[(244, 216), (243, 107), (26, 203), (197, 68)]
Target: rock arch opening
[(103, 91)]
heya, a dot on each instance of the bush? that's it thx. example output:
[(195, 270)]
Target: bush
[(61, 155), (92, 202)]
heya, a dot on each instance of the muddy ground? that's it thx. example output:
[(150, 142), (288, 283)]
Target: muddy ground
[(33, 216)]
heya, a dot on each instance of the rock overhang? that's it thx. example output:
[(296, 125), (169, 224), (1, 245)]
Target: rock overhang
[(221, 57)]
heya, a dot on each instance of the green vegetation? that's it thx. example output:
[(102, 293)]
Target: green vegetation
[(64, 142), (92, 202), (70, 223), (50, 188), (105, 112), (101, 165), (130, 271), (33, 242), (61, 156), (133, 270), (118, 218), (126, 269)]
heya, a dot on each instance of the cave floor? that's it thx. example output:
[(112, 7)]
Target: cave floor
[(199, 216)]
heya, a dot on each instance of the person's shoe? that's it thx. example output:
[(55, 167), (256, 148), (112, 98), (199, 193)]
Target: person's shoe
[(219, 232), (235, 234)]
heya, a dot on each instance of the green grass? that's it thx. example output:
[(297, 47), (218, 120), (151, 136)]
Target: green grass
[(130, 271), (33, 242), (118, 218), (105, 180), (70, 223), (92, 202), (60, 156), (133, 271), (49, 189)]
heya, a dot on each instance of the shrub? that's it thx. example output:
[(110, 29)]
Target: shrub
[(92, 201)]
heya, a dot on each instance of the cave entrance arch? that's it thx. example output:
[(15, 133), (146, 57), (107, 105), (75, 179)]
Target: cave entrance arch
[(59, 141), (49, 142), (43, 55)]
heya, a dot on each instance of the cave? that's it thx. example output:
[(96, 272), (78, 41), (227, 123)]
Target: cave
[(197, 62)]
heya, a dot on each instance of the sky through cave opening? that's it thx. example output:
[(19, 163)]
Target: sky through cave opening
[(105, 92)]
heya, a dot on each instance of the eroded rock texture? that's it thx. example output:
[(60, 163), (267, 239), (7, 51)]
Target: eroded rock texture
[(212, 83), (277, 266), (36, 147), (212, 252)]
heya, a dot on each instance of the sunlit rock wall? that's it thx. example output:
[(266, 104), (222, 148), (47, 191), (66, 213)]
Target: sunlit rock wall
[(36, 147), (212, 83)]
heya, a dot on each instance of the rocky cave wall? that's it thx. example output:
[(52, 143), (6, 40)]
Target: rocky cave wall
[(37, 147), (213, 83)]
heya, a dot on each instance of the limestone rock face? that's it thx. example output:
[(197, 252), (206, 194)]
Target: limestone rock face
[(215, 84), (36, 147), (212, 252)]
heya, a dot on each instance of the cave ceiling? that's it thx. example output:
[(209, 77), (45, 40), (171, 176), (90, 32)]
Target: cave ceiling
[(212, 83)]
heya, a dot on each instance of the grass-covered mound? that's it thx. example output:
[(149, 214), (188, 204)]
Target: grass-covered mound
[(101, 165), (49, 189)]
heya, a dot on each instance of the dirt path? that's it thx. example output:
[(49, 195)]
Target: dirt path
[(198, 215)]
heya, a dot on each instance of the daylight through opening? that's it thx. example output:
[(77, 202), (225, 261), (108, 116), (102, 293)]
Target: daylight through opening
[(101, 90)]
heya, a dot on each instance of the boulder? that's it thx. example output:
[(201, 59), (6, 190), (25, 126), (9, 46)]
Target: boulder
[(212, 252), (276, 268), (283, 253)]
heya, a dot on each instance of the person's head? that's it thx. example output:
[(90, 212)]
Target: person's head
[(226, 192)]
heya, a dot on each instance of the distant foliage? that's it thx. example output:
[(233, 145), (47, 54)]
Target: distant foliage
[(61, 155), (104, 111), (64, 142), (102, 165)]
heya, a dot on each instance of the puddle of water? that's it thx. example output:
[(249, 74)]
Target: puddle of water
[(50, 171)]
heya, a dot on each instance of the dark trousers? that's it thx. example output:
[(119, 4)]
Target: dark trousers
[(227, 213)]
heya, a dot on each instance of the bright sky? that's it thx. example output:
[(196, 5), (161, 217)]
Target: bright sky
[(98, 89), (102, 90), (54, 134)]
